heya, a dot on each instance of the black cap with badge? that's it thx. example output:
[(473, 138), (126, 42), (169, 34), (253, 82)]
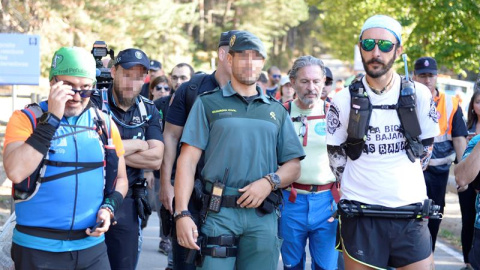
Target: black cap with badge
[(425, 65), (132, 57), (155, 65)]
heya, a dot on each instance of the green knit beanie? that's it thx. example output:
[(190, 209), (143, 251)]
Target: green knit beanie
[(73, 61)]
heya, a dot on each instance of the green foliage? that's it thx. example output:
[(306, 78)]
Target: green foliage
[(444, 29), (174, 31)]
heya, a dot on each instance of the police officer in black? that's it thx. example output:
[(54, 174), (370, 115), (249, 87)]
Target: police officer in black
[(139, 124), (178, 110)]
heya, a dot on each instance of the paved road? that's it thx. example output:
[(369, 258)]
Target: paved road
[(446, 258)]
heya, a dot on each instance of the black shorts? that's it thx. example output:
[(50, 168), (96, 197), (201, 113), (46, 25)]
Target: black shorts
[(382, 242)]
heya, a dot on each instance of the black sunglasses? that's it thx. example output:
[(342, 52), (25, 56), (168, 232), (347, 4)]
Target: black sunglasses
[(328, 82), (383, 45), (275, 76), (84, 93), (159, 88)]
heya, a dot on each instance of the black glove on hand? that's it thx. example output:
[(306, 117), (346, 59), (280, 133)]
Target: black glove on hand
[(140, 196)]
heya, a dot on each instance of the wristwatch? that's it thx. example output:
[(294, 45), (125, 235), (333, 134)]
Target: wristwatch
[(179, 215), (274, 180), (50, 119)]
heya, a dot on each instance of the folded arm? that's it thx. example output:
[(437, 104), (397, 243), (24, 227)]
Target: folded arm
[(143, 154)]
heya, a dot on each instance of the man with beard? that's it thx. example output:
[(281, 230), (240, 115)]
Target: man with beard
[(55, 224), (309, 202), (381, 173), (274, 76), (139, 123), (181, 73), (246, 136)]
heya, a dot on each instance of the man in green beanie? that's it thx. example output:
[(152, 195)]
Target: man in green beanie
[(55, 151), (246, 136)]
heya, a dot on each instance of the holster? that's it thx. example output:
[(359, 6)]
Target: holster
[(167, 221), (273, 201), (139, 194)]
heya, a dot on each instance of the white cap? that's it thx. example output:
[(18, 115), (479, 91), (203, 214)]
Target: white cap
[(284, 80), (385, 22)]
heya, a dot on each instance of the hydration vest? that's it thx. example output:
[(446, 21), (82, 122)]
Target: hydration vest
[(361, 110), (304, 118), (26, 189)]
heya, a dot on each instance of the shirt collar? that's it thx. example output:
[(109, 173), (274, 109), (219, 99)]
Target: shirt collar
[(228, 91)]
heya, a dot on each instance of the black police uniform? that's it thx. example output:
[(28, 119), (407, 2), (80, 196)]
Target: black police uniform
[(122, 239), (177, 114)]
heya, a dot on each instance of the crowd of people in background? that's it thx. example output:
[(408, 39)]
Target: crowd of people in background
[(244, 163)]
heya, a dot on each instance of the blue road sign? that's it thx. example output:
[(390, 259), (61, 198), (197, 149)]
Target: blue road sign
[(19, 59)]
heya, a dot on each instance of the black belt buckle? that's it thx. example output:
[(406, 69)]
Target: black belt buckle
[(226, 240), (219, 252), (313, 188)]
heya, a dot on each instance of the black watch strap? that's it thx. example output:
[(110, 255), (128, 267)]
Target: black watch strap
[(185, 213), (50, 119)]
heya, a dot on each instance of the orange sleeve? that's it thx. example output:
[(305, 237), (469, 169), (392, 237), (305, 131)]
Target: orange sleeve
[(117, 140), (19, 128)]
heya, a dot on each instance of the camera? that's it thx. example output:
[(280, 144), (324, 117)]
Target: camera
[(100, 50)]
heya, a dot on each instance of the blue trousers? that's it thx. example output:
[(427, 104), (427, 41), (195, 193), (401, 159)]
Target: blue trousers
[(307, 219)]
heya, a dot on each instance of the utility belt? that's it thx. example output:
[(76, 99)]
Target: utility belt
[(333, 187), (66, 235), (427, 210), (222, 246), (273, 201)]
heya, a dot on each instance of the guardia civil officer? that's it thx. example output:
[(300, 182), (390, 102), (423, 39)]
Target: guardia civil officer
[(384, 166), (246, 136), (139, 123), (58, 208)]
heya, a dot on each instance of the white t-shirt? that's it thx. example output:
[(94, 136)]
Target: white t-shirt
[(383, 176)]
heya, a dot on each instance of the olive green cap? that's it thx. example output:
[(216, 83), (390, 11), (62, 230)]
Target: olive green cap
[(244, 40)]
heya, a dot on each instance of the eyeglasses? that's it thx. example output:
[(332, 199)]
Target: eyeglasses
[(276, 76), (159, 88), (328, 82), (383, 45), (303, 127), (84, 93)]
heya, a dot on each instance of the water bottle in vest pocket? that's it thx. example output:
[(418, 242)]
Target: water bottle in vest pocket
[(360, 113), (111, 168)]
